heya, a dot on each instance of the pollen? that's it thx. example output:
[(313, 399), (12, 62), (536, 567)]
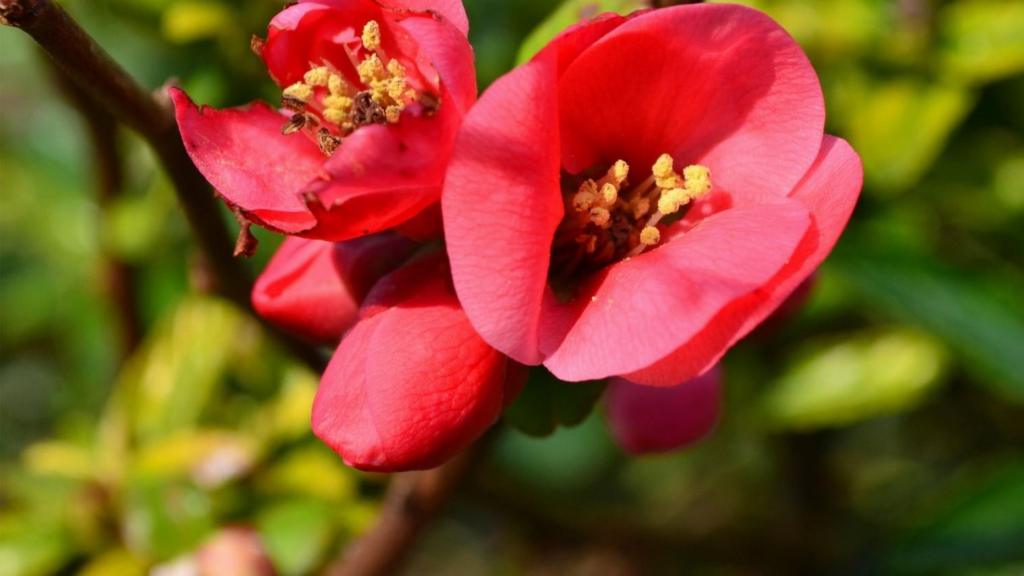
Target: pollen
[(396, 69), (609, 219), (650, 236), (371, 69), (338, 102), (619, 172), (672, 201), (609, 194), (601, 217), (299, 91), (371, 36), (396, 88), (336, 115), (393, 114), (318, 76), (698, 180), (663, 168), (336, 85)]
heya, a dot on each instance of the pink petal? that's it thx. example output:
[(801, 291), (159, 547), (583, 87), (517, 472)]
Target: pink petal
[(412, 383), (314, 288), (383, 175), (720, 85), (306, 33), (830, 191), (648, 420), (501, 205), (452, 10), (444, 48), (638, 311), (243, 154)]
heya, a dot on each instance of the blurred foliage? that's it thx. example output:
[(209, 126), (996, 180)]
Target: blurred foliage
[(880, 431)]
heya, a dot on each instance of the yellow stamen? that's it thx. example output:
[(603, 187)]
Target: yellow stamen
[(619, 172), (396, 88), (586, 197), (393, 113), (668, 182), (663, 167), (318, 76), (371, 69), (601, 217), (335, 116), (299, 91), (371, 35), (338, 102), (609, 194), (698, 180), (336, 85), (672, 201), (650, 236), (396, 69)]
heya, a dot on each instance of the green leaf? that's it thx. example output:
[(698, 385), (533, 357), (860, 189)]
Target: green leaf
[(569, 13), (983, 40), (982, 522), (33, 550), (296, 534), (312, 471), (166, 519), (210, 458), (900, 127), (188, 21), (547, 403), (856, 379), (179, 370), (959, 308), (117, 562)]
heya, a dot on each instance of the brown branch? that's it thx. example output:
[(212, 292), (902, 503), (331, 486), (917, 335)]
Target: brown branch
[(120, 277), (412, 500), (92, 69)]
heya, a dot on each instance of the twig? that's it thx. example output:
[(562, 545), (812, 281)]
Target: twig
[(120, 276), (92, 69), (411, 501)]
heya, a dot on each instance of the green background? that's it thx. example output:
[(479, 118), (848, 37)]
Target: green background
[(881, 431)]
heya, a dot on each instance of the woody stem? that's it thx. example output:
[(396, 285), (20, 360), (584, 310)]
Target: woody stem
[(86, 64)]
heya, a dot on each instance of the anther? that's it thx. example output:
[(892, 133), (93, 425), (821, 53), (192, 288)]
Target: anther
[(371, 35), (650, 236), (339, 102), (698, 180), (335, 115), (663, 167), (619, 172), (318, 76), (336, 85), (299, 91), (609, 194), (601, 217), (370, 69)]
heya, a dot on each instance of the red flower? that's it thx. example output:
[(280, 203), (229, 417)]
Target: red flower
[(646, 419), (314, 288), (412, 383), (373, 95), (568, 249)]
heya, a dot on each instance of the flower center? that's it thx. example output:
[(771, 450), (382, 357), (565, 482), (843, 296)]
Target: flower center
[(327, 107), (607, 219)]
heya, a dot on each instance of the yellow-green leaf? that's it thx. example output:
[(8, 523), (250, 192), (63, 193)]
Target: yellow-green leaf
[(856, 379)]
